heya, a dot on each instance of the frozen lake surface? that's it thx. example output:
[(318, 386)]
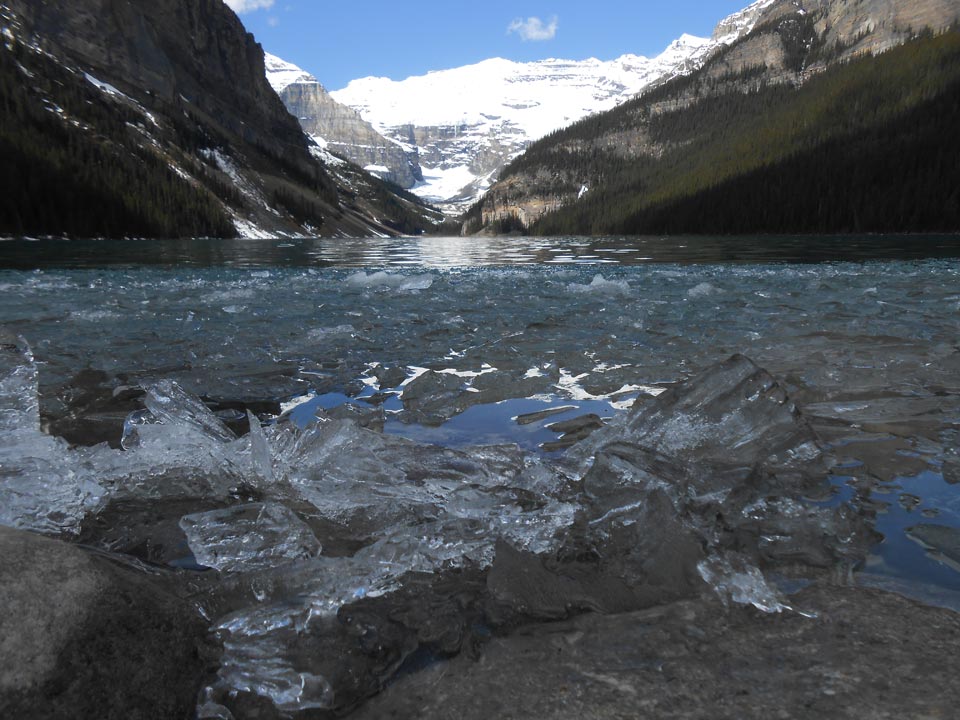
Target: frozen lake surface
[(321, 420)]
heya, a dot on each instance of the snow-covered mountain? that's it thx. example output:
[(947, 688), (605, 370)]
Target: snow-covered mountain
[(467, 123), (338, 128)]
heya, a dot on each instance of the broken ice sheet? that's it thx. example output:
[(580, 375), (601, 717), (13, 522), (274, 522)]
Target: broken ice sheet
[(259, 641), (732, 415), (248, 537), (178, 447)]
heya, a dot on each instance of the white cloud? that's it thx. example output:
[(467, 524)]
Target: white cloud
[(273, 21), (533, 28), (245, 6)]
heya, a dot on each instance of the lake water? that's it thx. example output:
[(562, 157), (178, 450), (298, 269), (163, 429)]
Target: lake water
[(861, 332), (455, 252)]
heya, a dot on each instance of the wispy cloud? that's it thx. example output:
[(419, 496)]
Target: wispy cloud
[(245, 6), (533, 28)]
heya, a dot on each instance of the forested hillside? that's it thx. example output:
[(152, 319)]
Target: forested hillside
[(864, 145), (156, 120), (78, 175)]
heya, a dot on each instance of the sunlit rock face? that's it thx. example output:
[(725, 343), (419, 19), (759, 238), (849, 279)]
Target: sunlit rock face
[(341, 129)]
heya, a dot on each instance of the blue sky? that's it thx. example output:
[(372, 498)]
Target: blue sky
[(339, 40)]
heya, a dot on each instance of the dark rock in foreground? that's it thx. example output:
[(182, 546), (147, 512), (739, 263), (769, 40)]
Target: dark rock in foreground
[(82, 636), (867, 654)]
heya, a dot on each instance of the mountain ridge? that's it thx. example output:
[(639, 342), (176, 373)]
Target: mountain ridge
[(339, 128), (637, 168)]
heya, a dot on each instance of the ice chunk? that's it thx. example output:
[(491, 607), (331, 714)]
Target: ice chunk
[(248, 537), (392, 281), (43, 486), (260, 642), (734, 414), (19, 402), (702, 290), (601, 286), (172, 405), (179, 447), (734, 578), (261, 457)]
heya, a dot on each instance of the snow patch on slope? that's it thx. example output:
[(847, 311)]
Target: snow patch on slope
[(740, 23), (281, 74)]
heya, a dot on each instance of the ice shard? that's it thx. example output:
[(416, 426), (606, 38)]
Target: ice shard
[(43, 486), (248, 537)]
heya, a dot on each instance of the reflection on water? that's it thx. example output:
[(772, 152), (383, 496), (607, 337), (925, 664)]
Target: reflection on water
[(446, 252)]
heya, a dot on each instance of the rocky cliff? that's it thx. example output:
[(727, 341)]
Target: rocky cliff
[(339, 128), (204, 120)]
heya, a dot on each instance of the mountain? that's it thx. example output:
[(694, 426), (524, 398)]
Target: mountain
[(157, 113), (491, 111), (339, 128), (824, 116)]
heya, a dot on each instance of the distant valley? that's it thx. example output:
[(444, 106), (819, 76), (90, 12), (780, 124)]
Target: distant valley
[(447, 135)]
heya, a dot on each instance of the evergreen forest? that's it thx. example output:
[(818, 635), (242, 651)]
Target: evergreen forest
[(74, 164), (867, 145)]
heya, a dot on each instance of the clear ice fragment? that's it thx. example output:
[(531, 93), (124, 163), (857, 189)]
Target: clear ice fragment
[(43, 485), (733, 578), (172, 405), (249, 537)]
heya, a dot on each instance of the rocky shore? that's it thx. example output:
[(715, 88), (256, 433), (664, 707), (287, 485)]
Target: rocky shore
[(688, 559)]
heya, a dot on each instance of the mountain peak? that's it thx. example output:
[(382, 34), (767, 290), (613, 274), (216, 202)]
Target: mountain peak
[(741, 22), (468, 122), (281, 74)]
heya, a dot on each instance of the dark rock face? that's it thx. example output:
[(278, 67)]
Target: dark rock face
[(193, 82), (193, 51), (84, 636), (692, 660)]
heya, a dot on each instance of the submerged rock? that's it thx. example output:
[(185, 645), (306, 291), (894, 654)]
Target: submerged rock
[(942, 541), (86, 636), (434, 398), (573, 431)]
